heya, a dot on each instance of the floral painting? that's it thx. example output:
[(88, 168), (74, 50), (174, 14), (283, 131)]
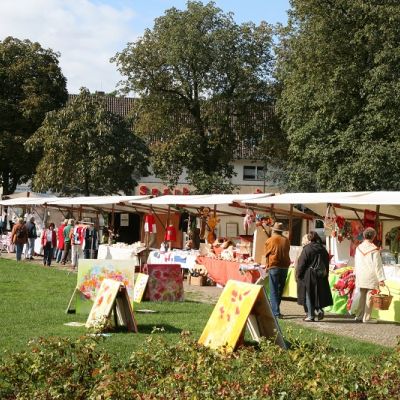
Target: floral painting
[(91, 274), (165, 282), (104, 301)]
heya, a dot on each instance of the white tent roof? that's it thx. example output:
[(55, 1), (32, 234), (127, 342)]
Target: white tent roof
[(95, 200), (346, 202), (25, 201), (309, 198), (200, 200)]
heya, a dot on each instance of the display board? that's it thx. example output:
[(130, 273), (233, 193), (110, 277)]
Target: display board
[(91, 274), (140, 287), (237, 302), (112, 296), (165, 282)]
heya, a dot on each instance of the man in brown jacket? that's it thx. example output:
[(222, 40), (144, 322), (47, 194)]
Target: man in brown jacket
[(277, 249), (19, 236)]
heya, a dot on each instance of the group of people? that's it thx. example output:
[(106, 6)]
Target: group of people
[(55, 244), (312, 271)]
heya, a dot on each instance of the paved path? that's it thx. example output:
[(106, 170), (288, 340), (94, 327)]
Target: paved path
[(383, 333)]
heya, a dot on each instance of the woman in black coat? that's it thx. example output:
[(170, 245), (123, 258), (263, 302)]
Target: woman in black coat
[(313, 291)]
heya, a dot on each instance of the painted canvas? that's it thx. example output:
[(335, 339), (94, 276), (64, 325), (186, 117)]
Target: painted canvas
[(91, 274), (165, 282), (104, 301), (229, 316), (140, 286)]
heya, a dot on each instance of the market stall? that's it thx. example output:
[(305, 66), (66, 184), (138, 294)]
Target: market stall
[(346, 215)]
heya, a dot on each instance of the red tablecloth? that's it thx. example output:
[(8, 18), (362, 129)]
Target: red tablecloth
[(220, 271)]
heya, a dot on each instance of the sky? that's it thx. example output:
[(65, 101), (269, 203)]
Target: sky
[(87, 33)]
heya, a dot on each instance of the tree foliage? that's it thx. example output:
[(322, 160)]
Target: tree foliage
[(338, 63), (31, 84), (87, 150), (199, 75)]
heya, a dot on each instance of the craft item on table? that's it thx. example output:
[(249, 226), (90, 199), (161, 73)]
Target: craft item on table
[(194, 239), (253, 267), (199, 270), (240, 304), (228, 254), (245, 245), (345, 286), (170, 233), (112, 296), (392, 239), (150, 230), (249, 219), (357, 230), (369, 219), (212, 223), (150, 223), (204, 214), (330, 220), (343, 229)]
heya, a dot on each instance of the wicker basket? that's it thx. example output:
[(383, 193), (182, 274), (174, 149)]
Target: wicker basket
[(381, 301)]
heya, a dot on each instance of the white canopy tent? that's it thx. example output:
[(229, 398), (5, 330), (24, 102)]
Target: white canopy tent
[(387, 204), (27, 201)]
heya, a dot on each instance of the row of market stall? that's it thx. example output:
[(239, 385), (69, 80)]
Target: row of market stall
[(344, 216)]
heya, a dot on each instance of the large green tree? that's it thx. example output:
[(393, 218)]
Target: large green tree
[(87, 150), (200, 77), (31, 84), (339, 66)]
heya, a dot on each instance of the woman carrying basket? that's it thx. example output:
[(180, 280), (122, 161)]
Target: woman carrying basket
[(369, 274)]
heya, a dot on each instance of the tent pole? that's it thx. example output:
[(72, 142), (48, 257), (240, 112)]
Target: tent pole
[(291, 224)]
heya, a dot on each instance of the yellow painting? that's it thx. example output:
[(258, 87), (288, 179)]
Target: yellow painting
[(140, 287), (229, 316), (104, 301)]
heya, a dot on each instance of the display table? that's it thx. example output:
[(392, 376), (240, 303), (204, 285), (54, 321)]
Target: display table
[(186, 259), (220, 271), (109, 252)]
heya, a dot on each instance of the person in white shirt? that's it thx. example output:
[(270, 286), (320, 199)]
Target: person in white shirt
[(369, 273)]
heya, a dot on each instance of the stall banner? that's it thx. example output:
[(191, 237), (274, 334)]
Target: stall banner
[(140, 287), (91, 274)]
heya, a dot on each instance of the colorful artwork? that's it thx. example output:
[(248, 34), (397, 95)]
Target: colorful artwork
[(140, 286), (104, 301), (230, 314), (91, 274), (165, 282)]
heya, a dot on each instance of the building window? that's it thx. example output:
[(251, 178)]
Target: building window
[(253, 173)]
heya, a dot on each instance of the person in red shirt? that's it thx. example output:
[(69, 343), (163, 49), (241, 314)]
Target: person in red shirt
[(60, 243)]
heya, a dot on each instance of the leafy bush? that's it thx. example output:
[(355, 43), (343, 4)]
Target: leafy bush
[(66, 369)]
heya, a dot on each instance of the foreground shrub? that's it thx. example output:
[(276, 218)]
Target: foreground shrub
[(55, 368), (60, 368)]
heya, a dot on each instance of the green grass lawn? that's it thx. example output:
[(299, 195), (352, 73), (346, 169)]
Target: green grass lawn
[(33, 300)]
